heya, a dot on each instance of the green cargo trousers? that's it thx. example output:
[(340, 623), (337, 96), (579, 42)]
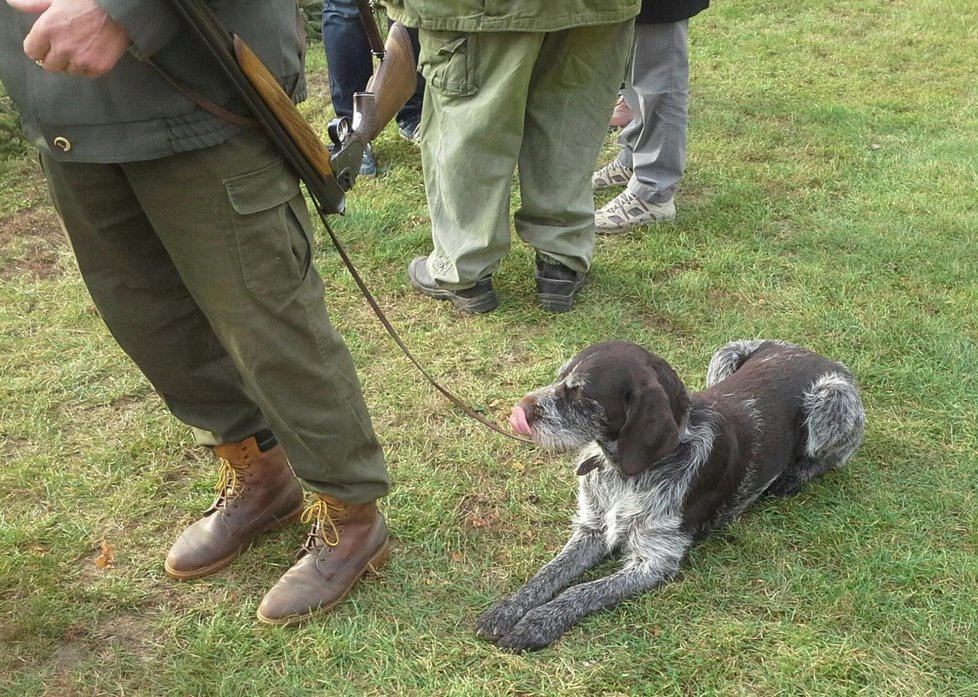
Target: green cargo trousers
[(200, 264), (498, 101)]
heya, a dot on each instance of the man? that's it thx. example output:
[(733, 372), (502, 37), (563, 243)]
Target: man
[(513, 85), (195, 244), (652, 159)]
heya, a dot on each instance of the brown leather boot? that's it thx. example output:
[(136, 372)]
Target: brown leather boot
[(257, 492), (344, 543)]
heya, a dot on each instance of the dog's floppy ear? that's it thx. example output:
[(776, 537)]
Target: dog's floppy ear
[(650, 431)]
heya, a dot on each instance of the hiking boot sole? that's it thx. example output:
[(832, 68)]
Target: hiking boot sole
[(477, 305), (557, 301)]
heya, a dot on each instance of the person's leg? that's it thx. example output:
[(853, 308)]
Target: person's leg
[(231, 221), (234, 222), (653, 155), (575, 81), (243, 245), (145, 304), (348, 57), (654, 145), (473, 124)]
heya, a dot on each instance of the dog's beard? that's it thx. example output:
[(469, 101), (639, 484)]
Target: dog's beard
[(566, 426), (560, 441)]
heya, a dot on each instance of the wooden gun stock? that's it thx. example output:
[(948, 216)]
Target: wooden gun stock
[(283, 108), (389, 87)]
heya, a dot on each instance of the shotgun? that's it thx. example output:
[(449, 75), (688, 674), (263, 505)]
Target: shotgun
[(327, 175)]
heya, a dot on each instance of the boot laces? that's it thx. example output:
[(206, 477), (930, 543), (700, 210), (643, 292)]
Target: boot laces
[(324, 530), (227, 486)]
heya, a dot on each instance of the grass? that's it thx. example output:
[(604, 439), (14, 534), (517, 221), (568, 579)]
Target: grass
[(829, 201)]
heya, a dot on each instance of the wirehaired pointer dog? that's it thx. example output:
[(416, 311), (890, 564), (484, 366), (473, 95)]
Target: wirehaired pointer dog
[(659, 468)]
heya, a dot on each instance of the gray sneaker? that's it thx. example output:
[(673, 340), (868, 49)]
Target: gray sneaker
[(411, 132), (612, 174), (368, 166), (626, 212)]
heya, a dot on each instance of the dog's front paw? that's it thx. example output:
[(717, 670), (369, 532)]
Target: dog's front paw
[(499, 619), (537, 630)]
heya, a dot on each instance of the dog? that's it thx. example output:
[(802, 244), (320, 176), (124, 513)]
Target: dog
[(660, 468)]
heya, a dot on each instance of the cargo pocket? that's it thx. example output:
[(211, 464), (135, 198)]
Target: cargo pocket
[(272, 229), (447, 61)]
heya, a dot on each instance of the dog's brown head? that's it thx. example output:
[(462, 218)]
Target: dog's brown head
[(618, 394)]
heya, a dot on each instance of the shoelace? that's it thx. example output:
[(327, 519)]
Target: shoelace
[(623, 203), (318, 515), (227, 486), (613, 173)]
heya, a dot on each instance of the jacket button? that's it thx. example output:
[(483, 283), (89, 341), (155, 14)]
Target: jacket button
[(62, 144)]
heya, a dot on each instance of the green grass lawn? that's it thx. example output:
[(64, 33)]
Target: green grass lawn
[(830, 200)]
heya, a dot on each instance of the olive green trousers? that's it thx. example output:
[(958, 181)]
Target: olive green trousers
[(501, 102), (200, 264)]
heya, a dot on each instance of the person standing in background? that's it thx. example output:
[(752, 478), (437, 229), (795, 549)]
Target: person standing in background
[(652, 159), (513, 86), (350, 65)]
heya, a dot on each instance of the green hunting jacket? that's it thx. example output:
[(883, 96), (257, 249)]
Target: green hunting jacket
[(509, 15), (132, 113)]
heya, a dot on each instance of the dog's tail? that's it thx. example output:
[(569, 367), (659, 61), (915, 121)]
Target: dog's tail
[(834, 418), (732, 356), (834, 424)]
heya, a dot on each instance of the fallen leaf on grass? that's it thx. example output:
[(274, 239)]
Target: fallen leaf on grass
[(106, 555)]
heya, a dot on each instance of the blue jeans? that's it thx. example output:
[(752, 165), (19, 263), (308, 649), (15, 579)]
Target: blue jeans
[(350, 62)]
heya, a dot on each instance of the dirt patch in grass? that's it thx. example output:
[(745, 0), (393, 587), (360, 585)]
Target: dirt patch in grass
[(670, 272), (31, 242), (124, 636), (477, 512)]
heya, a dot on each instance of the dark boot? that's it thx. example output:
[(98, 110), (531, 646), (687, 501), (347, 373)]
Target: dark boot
[(257, 492), (475, 300), (556, 285), (344, 542)]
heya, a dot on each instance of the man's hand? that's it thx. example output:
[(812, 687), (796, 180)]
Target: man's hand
[(73, 36)]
